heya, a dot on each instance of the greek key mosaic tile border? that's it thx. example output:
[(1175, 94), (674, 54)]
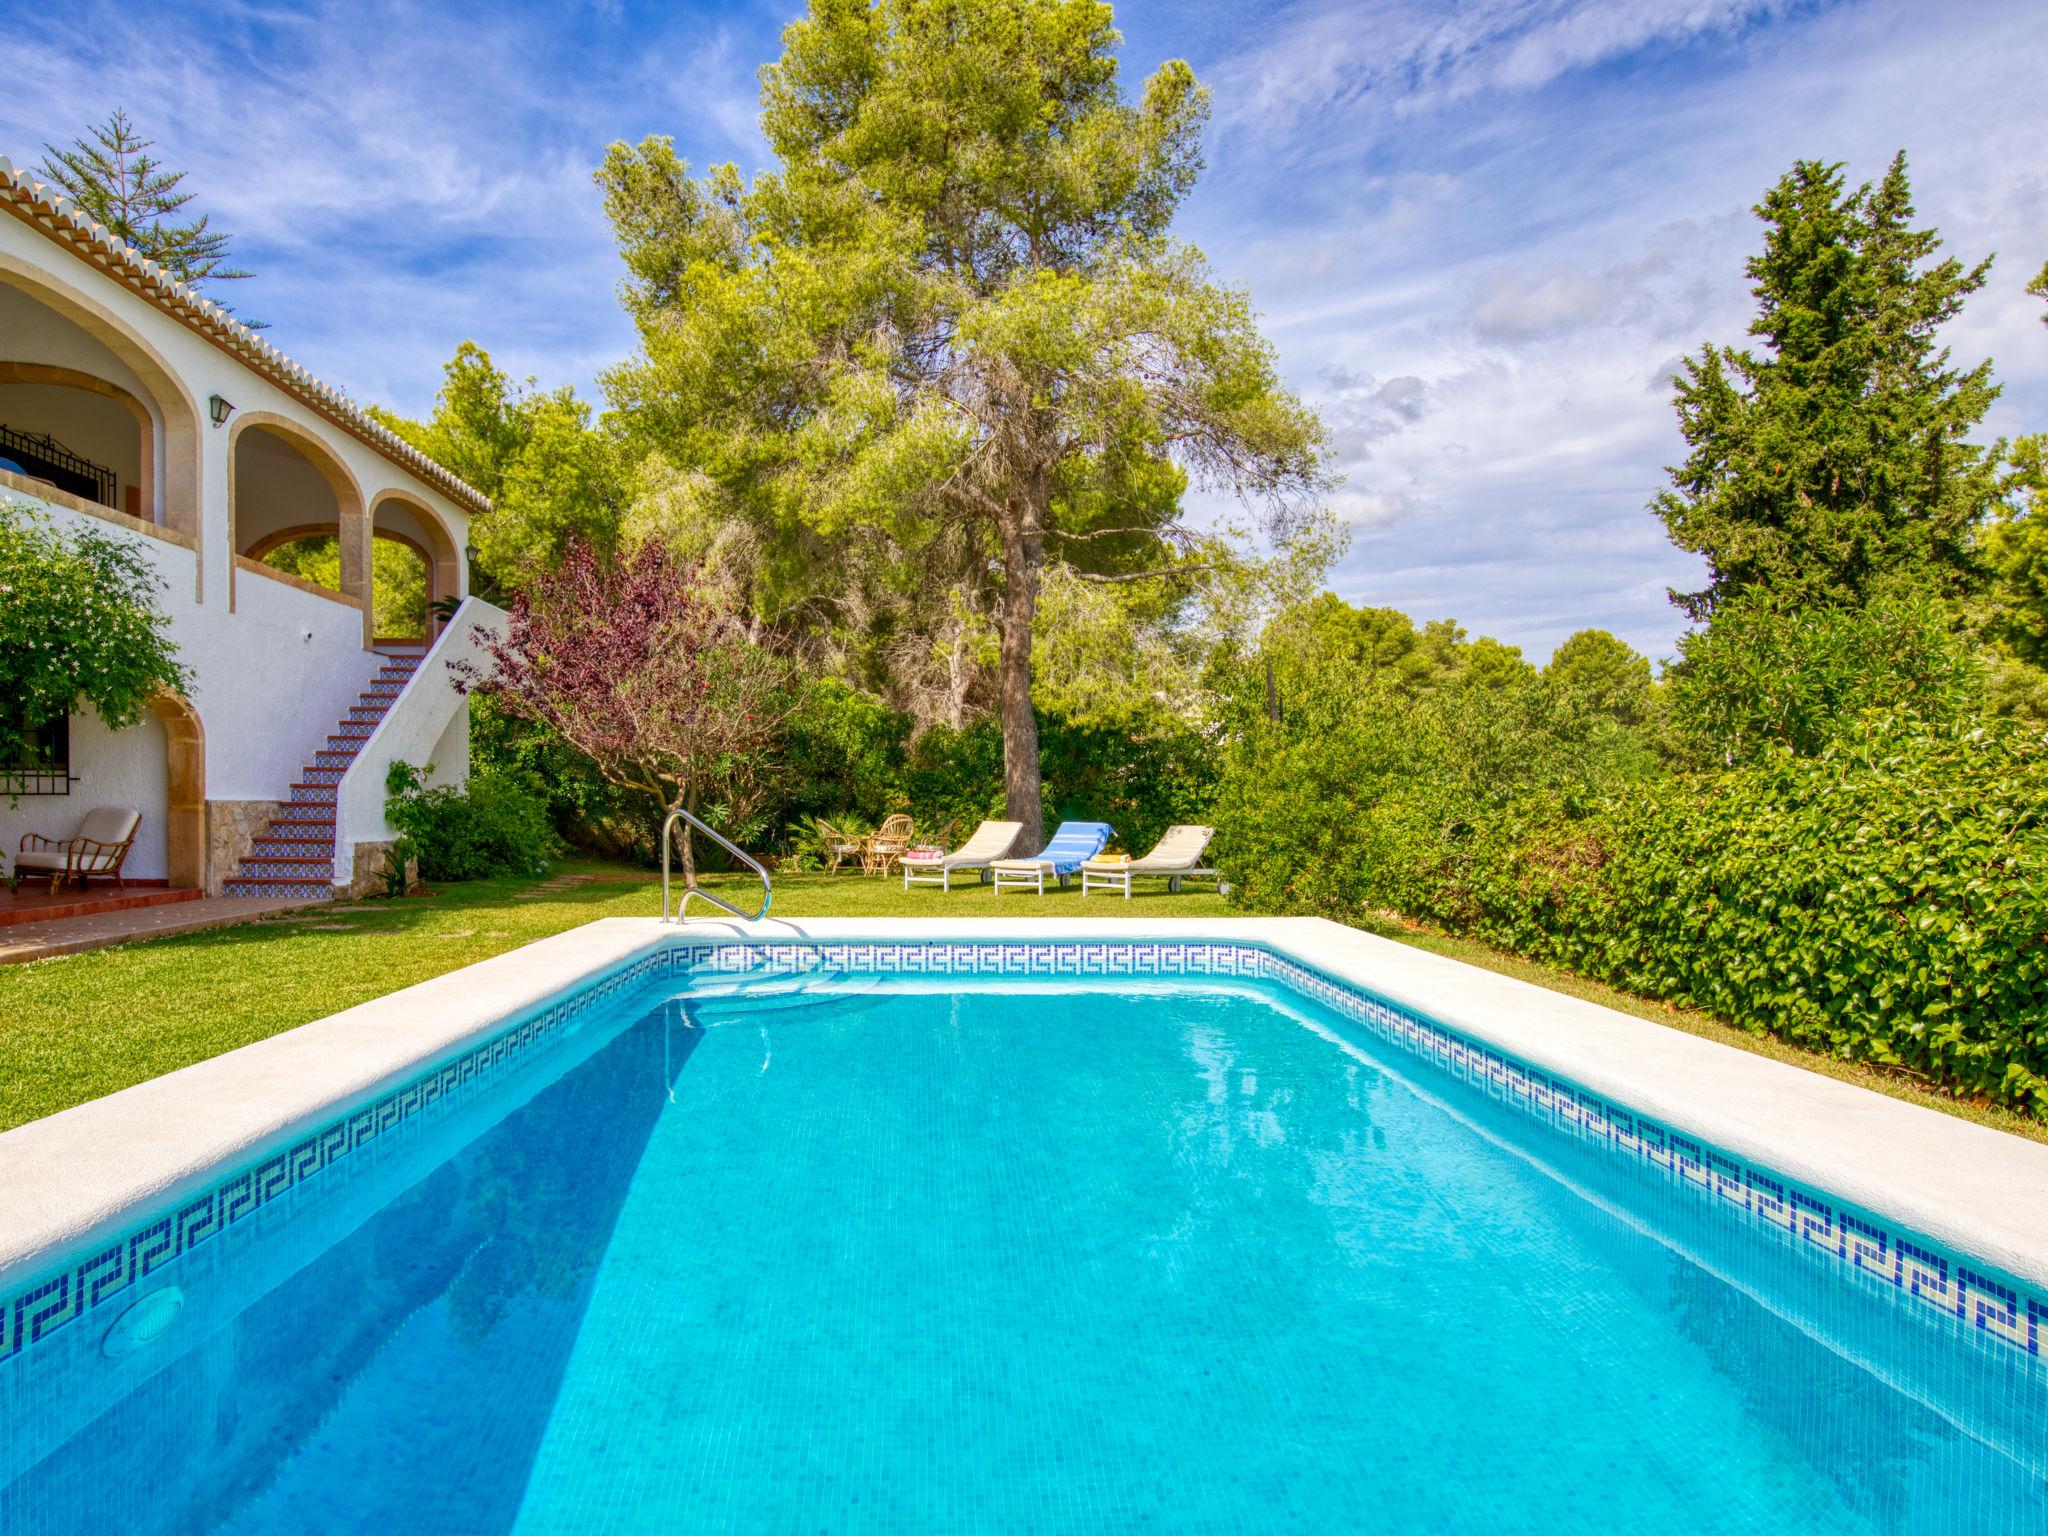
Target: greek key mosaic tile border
[(1862, 1248), (1947, 1285), (31, 1315), (1944, 1283)]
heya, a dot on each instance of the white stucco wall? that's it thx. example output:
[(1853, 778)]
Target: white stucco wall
[(112, 768), (31, 332), (271, 678), (274, 680)]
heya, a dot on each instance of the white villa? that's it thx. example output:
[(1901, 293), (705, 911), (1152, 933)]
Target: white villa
[(129, 400)]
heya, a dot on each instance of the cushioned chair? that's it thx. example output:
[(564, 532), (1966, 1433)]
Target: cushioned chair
[(1073, 844), (1177, 855), (990, 842), (99, 847)]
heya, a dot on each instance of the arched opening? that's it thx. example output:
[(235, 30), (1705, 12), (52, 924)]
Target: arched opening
[(401, 573), (284, 486), (81, 433), (406, 522), (89, 408), (185, 799)]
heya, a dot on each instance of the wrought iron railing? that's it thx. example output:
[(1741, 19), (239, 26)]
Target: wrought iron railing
[(47, 459)]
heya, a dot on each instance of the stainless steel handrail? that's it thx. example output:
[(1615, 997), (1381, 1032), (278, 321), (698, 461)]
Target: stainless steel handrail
[(767, 889)]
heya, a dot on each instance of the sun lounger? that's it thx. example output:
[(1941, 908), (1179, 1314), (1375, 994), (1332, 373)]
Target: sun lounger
[(991, 840), (1177, 855), (1073, 844)]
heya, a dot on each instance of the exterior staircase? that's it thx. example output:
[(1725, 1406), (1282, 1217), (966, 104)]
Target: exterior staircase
[(294, 858)]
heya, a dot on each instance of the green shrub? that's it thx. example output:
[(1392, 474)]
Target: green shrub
[(585, 810), (1885, 900), (79, 625), (1768, 674), (496, 824), (842, 754)]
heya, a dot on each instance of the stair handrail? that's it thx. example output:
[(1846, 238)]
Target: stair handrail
[(767, 886)]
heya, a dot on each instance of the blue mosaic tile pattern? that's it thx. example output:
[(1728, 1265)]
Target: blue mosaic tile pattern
[(1948, 1284), (1989, 1309), (31, 1315)]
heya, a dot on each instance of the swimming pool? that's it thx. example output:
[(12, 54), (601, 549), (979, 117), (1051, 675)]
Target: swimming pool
[(1056, 1236)]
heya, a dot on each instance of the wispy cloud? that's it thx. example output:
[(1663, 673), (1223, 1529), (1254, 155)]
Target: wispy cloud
[(400, 177), (1482, 233), (1534, 210)]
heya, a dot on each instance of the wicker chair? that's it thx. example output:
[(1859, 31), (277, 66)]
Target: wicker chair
[(890, 842), (838, 847), (99, 847)]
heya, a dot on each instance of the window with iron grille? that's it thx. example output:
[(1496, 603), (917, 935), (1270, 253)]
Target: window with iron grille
[(48, 769)]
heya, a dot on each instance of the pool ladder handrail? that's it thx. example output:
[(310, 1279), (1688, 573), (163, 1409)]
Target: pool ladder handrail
[(667, 832)]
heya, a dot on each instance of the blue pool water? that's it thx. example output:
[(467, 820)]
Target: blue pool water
[(905, 1255)]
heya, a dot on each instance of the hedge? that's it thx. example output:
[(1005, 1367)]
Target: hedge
[(1885, 900)]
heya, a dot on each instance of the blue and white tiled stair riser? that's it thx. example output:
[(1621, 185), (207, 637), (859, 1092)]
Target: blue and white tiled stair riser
[(1997, 1324)]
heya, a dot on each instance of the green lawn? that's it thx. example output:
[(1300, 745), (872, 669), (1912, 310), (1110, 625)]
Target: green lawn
[(79, 1026)]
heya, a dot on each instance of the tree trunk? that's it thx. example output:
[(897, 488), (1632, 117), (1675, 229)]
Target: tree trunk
[(1023, 550), (687, 836), (957, 671)]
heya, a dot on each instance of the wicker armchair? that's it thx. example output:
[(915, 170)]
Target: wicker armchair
[(837, 847), (890, 842), (99, 847)]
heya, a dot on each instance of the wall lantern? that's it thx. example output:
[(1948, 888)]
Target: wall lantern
[(220, 409)]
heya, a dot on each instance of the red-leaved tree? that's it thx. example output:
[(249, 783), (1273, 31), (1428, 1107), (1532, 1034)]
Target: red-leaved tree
[(632, 663)]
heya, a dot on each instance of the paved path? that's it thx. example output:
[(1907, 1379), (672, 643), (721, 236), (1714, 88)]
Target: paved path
[(69, 935)]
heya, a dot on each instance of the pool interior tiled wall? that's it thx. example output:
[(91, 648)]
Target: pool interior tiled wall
[(1983, 1321)]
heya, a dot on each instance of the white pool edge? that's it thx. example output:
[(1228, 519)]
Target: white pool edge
[(90, 1171)]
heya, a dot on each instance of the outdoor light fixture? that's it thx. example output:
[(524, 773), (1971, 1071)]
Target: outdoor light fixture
[(220, 407)]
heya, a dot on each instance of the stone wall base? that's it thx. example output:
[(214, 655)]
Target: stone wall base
[(232, 826), (367, 877)]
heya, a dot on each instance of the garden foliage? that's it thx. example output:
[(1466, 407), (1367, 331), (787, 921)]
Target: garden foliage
[(79, 626), (1881, 900), (496, 824)]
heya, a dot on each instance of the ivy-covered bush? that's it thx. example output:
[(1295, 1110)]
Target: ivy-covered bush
[(1884, 900), (496, 824)]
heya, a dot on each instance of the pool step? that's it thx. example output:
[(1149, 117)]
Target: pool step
[(728, 1005)]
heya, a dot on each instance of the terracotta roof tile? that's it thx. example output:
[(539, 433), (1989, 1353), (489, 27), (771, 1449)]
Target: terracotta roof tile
[(45, 208)]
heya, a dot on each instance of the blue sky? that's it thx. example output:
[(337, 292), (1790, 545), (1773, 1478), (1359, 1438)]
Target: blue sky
[(1480, 234)]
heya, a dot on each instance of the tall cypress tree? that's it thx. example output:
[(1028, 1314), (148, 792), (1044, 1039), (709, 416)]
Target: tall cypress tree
[(1836, 454)]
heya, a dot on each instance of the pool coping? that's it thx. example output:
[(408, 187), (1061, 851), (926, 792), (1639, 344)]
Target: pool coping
[(88, 1171)]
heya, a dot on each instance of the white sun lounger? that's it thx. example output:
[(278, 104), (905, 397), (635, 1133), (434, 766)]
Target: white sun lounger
[(1177, 855), (991, 840)]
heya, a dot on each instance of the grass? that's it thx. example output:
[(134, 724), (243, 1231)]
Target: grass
[(79, 1026)]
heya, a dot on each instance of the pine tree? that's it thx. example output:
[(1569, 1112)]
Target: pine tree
[(1836, 458), (112, 176), (952, 326)]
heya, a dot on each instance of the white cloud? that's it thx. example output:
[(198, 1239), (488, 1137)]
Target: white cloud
[(400, 178), (1478, 203)]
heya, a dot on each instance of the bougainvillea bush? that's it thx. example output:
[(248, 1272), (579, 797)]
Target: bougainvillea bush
[(632, 662)]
